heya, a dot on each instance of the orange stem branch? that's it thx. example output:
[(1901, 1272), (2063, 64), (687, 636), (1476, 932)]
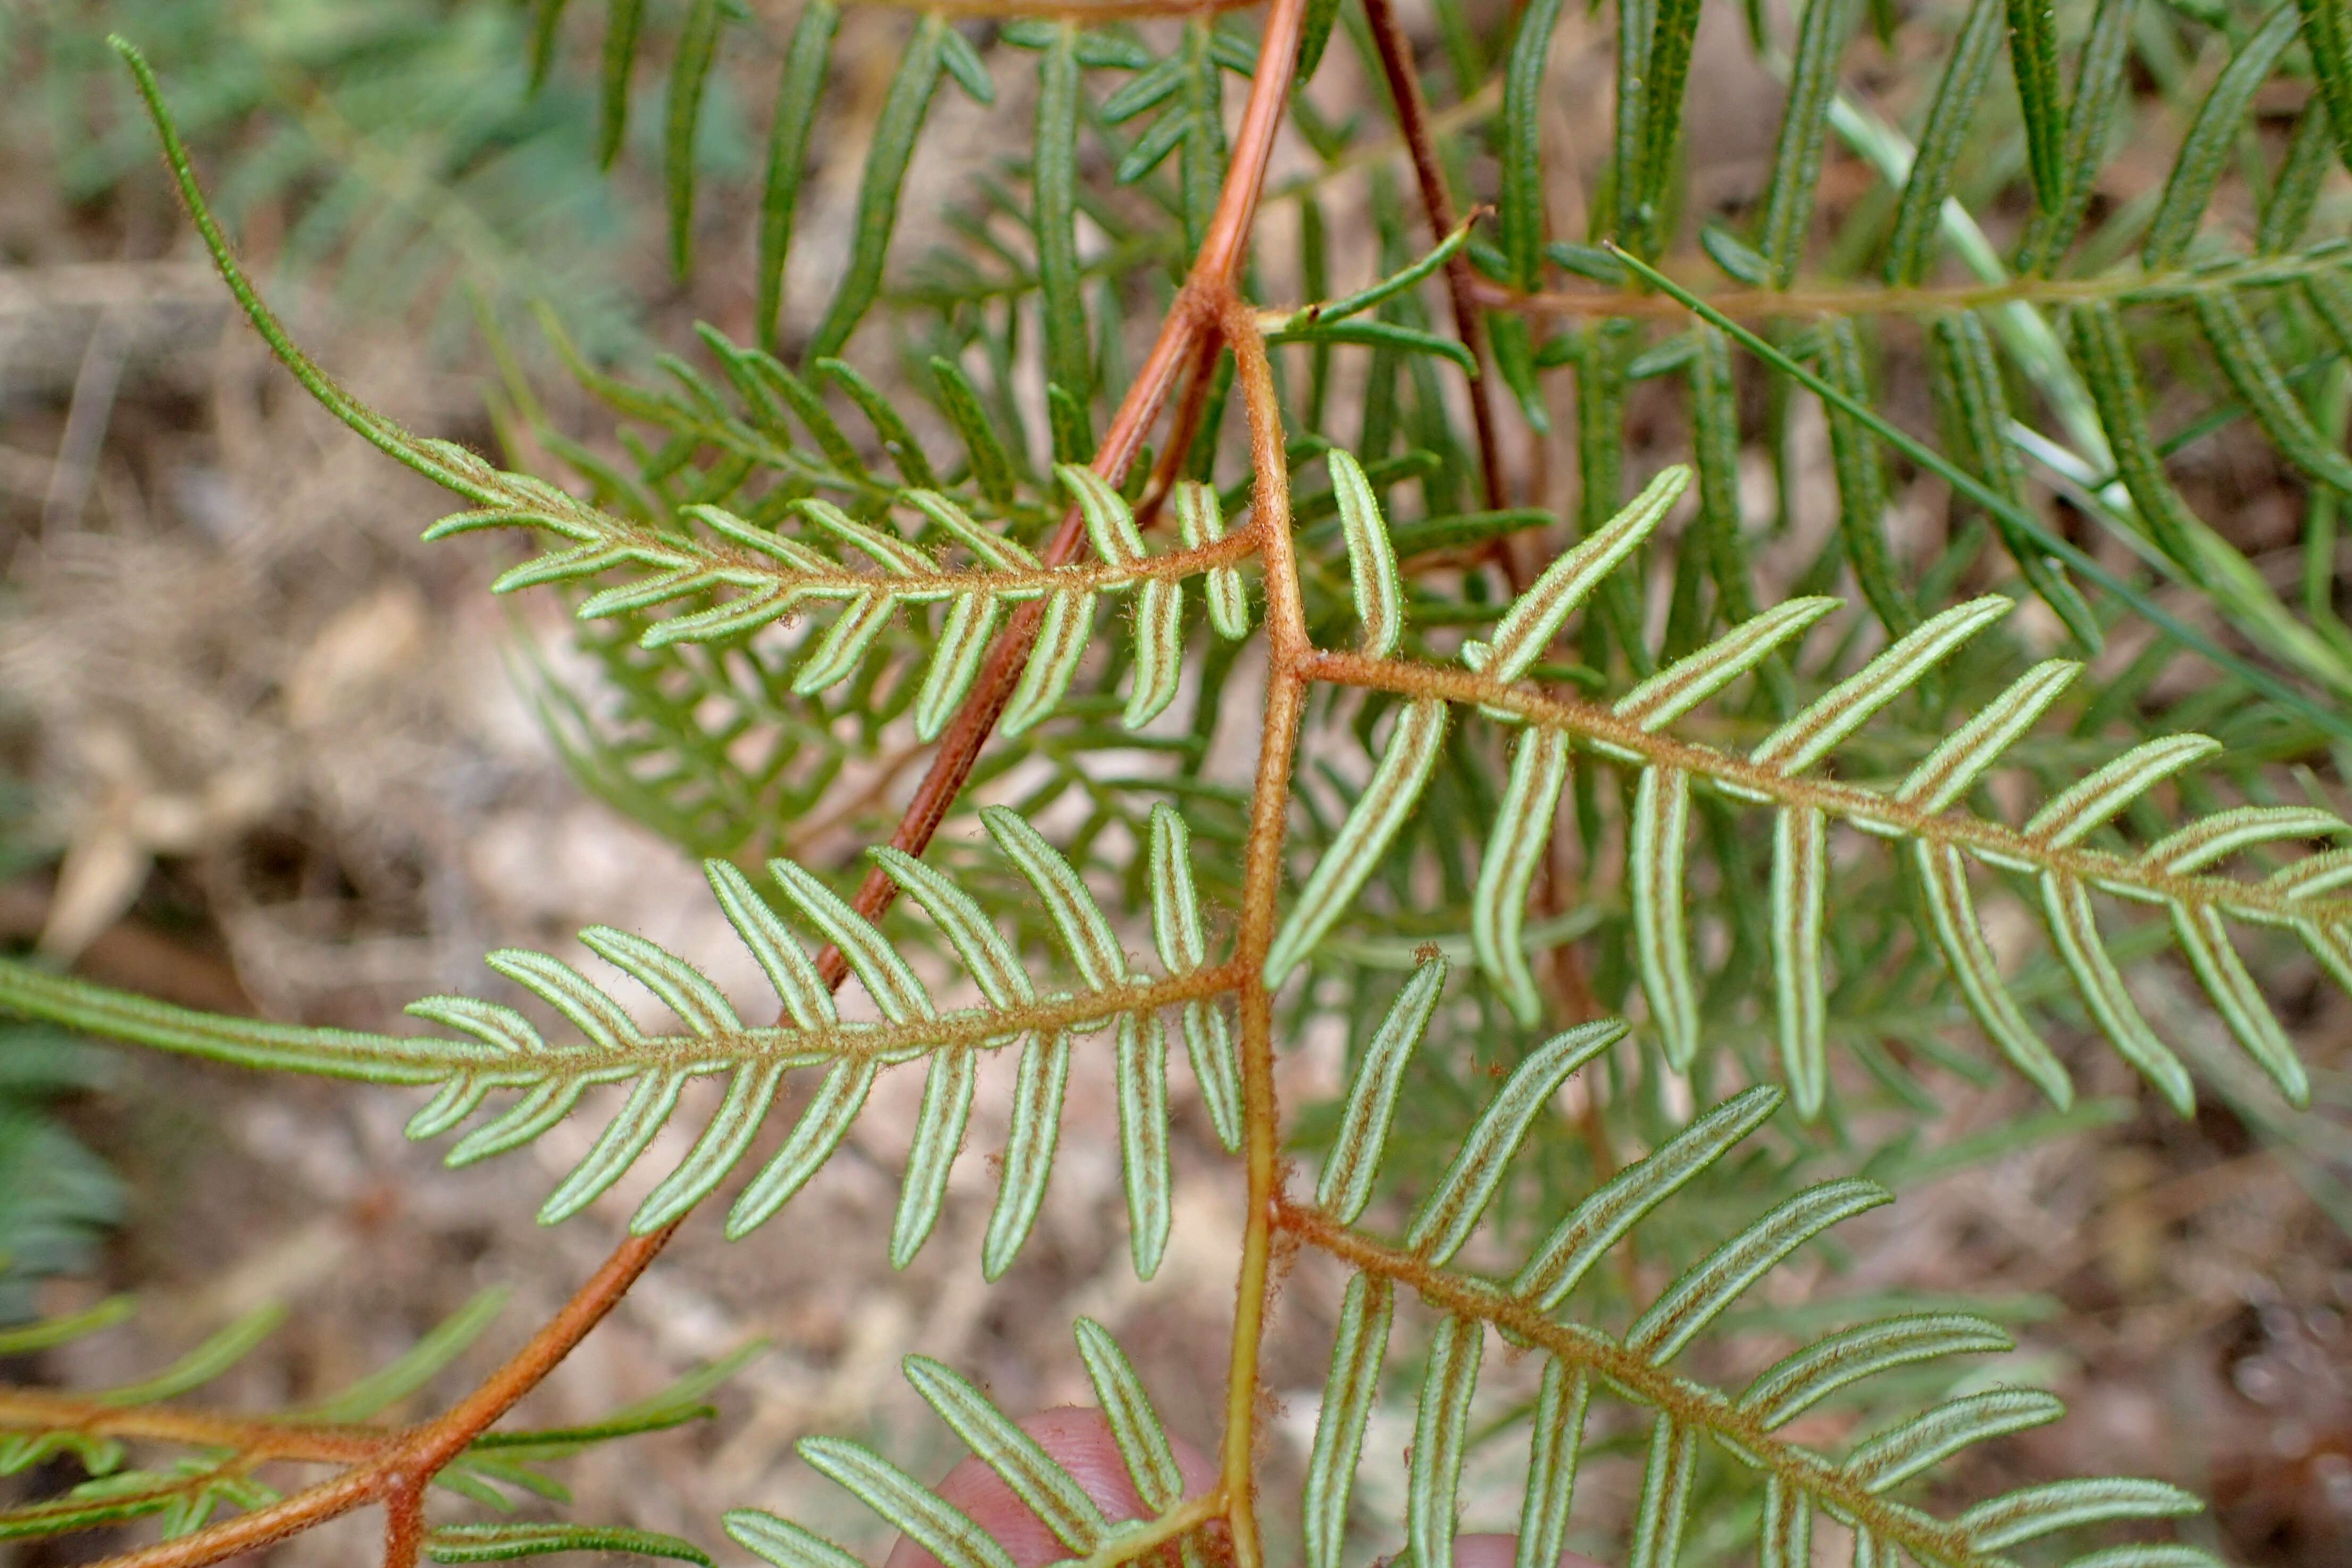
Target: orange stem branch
[(1412, 123), (257, 1437)]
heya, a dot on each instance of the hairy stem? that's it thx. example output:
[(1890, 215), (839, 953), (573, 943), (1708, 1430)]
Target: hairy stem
[(444, 1439), (403, 1527), (263, 1527), (1287, 648), (259, 1438), (1993, 842)]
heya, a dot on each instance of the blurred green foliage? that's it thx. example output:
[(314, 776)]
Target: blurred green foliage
[(58, 1199), (395, 152)]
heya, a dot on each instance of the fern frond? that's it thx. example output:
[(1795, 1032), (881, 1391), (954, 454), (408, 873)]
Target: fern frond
[(806, 60), (39, 1432), (933, 50), (499, 1049), (769, 575), (1581, 1363), (183, 1498), (2051, 846), (2102, 427)]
